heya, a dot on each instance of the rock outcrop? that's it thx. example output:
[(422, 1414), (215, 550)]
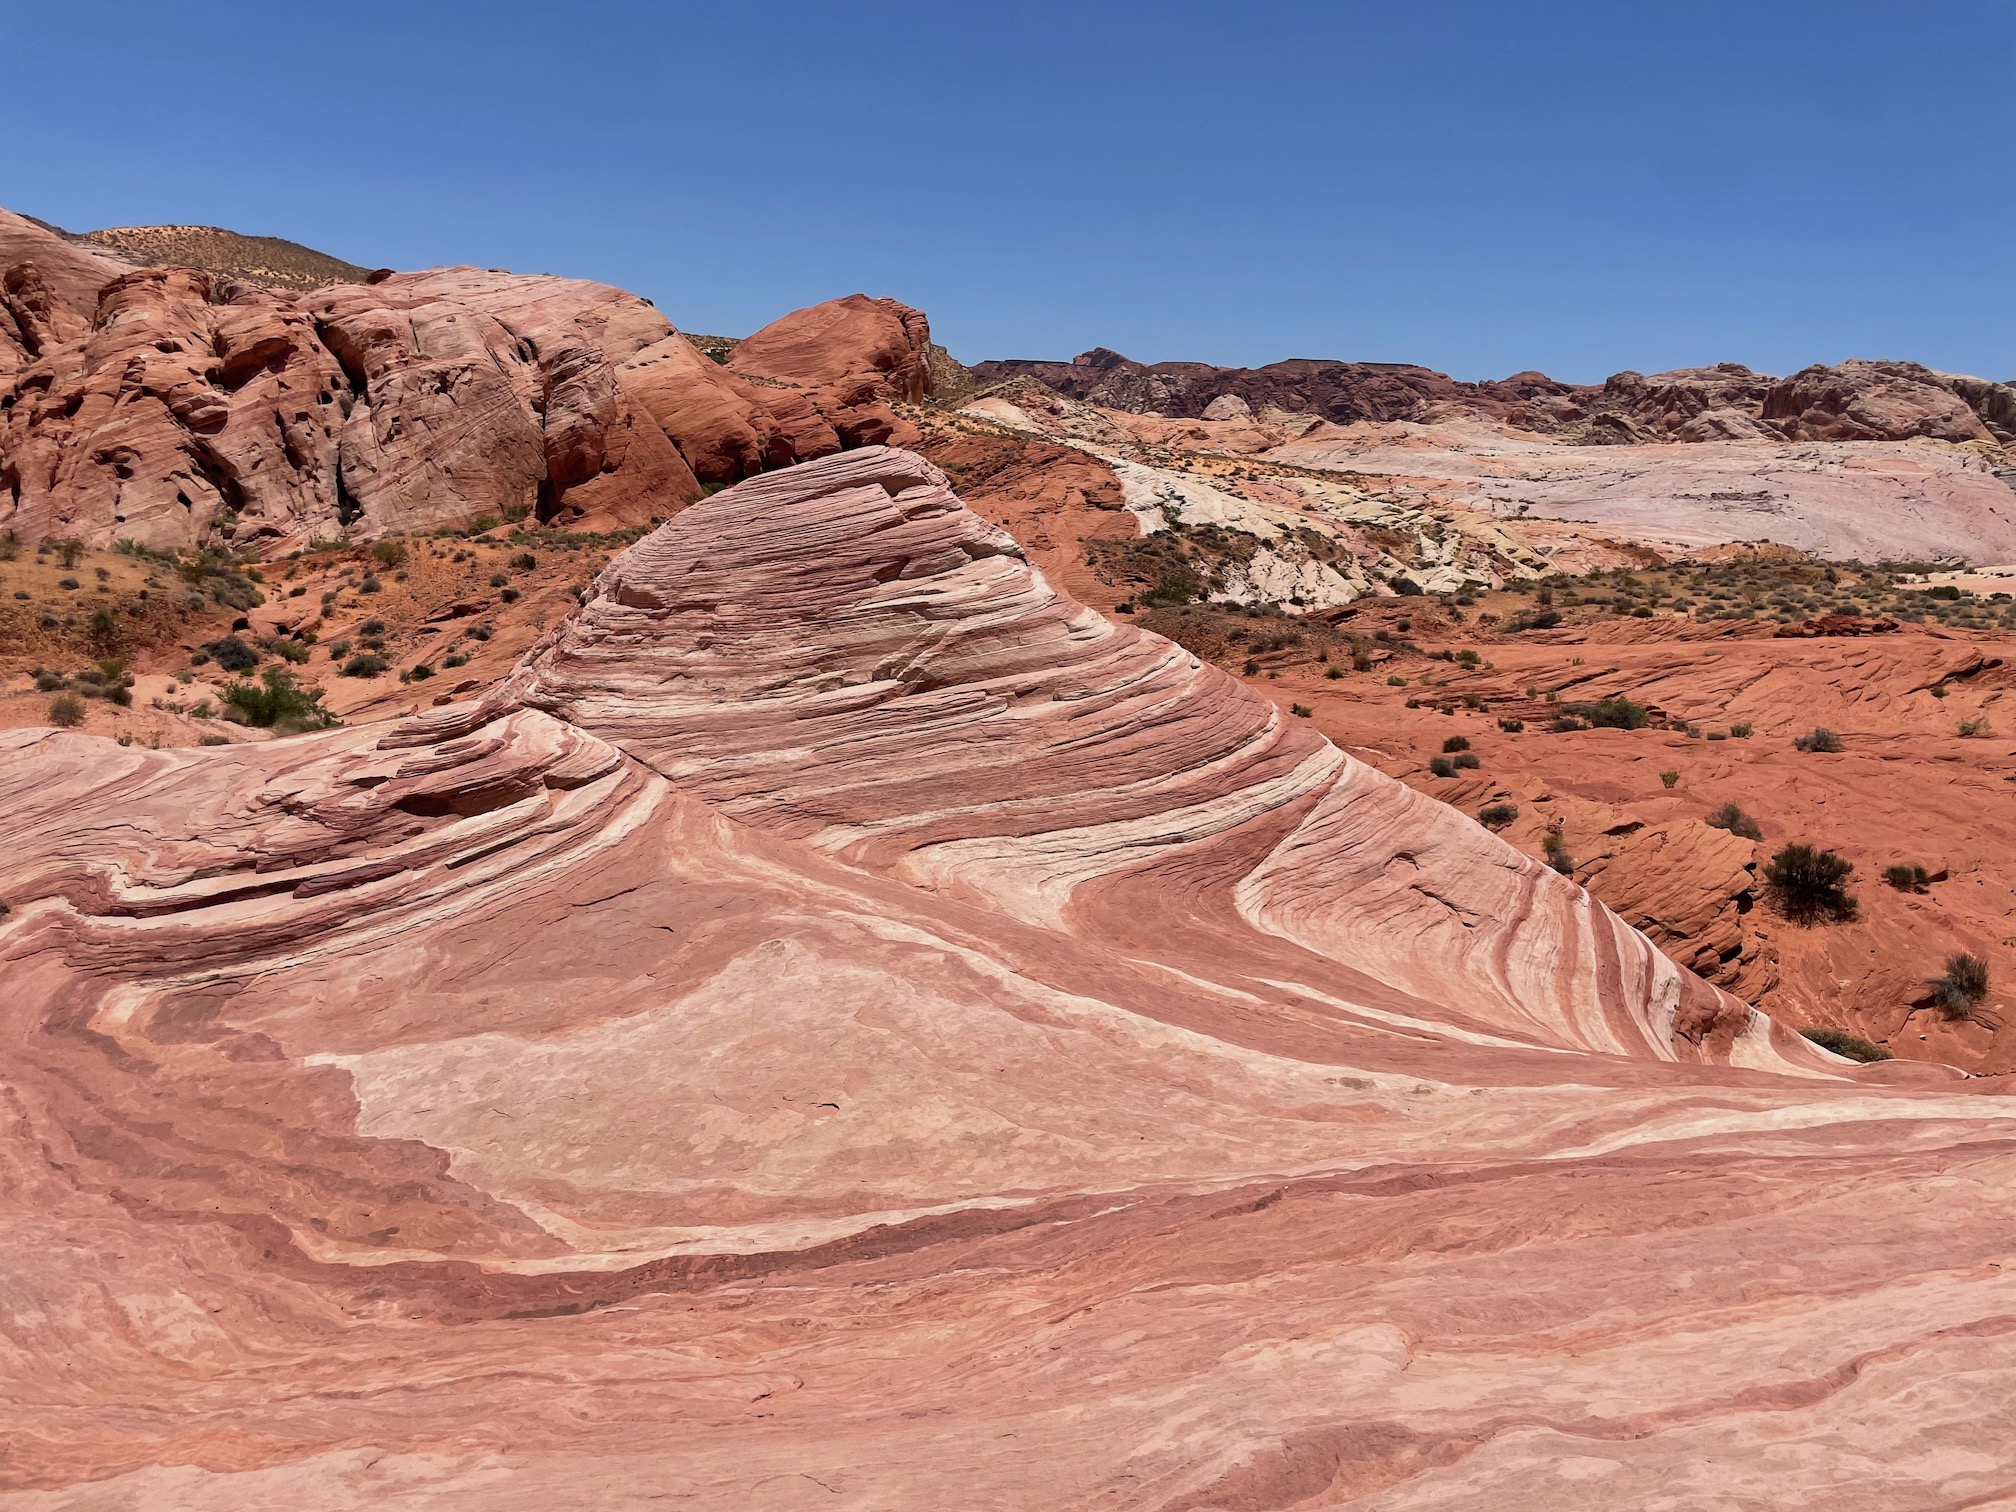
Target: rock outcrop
[(844, 1020), (166, 404)]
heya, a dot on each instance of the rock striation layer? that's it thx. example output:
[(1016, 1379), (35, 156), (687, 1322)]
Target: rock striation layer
[(844, 1023)]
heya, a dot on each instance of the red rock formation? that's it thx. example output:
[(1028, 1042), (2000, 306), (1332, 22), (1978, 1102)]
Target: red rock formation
[(1872, 401), (162, 404), (844, 1021)]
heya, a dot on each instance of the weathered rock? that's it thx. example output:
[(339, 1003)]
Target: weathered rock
[(840, 998), (164, 404), (1872, 401)]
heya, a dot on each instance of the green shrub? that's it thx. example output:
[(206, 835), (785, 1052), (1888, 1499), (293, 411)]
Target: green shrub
[(457, 660), (1669, 778), (509, 595), (1740, 731), (1511, 726), (1618, 713), (1906, 877), (1441, 766), (1841, 1042), (1300, 711), (287, 648), (370, 585), (1453, 744), (1820, 739), (1807, 885), (66, 710), (1466, 762), (1497, 815), (1938, 691), (498, 580), (276, 701), (1396, 681), (1731, 818), (1972, 727), (524, 561), (1563, 724), (366, 664), (389, 553), (1960, 988)]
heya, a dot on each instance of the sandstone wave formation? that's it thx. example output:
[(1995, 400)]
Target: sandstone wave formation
[(173, 406), (844, 1025)]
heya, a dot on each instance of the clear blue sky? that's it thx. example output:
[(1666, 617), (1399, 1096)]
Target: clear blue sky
[(1479, 185)]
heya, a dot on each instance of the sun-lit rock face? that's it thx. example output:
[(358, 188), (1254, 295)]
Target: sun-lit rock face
[(845, 1025)]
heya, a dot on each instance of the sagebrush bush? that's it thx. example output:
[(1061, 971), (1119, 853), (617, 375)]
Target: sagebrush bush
[(1497, 815), (1731, 818), (1841, 1042), (1819, 739), (1808, 885), (1453, 744), (365, 664), (1442, 766), (1466, 761), (66, 710), (1960, 988), (1511, 726), (1906, 877), (389, 553)]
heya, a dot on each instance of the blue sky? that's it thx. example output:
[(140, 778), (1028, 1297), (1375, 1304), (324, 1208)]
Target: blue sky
[(1481, 187)]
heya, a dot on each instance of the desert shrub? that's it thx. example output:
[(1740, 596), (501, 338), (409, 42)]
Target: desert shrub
[(66, 710), (1334, 674), (1841, 1042), (287, 648), (1819, 739), (1467, 658), (370, 585), (47, 681), (68, 584), (215, 740), (1545, 619), (498, 580), (524, 561), (1558, 855), (1300, 711), (509, 595), (1741, 730), (1466, 762), (276, 701), (1972, 727), (421, 672), (232, 654), (457, 660), (1731, 818), (1442, 766), (1562, 724), (365, 664), (479, 632), (1807, 885), (1618, 713), (1906, 877), (1960, 988), (1361, 661), (1938, 692), (1511, 726), (68, 550), (1396, 681), (1497, 815), (1669, 778), (1453, 744), (389, 553)]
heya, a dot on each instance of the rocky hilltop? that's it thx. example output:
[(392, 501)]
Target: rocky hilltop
[(170, 406), (831, 947)]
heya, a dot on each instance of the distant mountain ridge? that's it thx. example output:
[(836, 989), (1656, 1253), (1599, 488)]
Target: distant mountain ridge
[(1851, 401), (270, 260)]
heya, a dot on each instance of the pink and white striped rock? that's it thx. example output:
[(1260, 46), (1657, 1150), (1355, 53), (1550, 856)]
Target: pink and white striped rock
[(846, 1026)]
